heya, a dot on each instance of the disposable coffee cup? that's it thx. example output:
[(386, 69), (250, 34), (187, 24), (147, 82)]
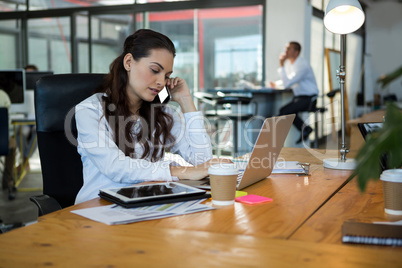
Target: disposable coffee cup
[(223, 180), (392, 191)]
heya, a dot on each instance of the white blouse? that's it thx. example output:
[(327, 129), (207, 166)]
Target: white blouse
[(299, 76), (106, 166)]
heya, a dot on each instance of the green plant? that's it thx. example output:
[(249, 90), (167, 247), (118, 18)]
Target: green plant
[(387, 141), (388, 78)]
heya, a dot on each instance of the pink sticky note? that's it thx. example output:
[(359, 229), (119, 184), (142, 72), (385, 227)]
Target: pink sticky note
[(253, 199)]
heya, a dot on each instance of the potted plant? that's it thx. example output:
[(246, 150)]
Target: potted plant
[(386, 141), (388, 78)]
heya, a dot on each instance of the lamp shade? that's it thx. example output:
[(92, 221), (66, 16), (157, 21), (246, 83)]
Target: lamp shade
[(343, 16)]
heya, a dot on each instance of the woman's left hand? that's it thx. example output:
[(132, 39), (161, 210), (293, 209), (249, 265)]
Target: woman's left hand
[(180, 93)]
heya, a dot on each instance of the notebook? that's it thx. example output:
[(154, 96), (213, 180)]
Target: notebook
[(264, 155), (372, 233)]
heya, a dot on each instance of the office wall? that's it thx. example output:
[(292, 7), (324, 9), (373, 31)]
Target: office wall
[(286, 20), (384, 43)]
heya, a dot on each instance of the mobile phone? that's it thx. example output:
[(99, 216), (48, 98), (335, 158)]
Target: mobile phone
[(163, 96)]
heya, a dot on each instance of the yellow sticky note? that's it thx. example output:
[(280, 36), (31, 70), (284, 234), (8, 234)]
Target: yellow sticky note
[(240, 193)]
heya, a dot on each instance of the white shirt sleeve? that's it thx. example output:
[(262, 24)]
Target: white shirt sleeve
[(192, 141), (294, 75), (299, 76)]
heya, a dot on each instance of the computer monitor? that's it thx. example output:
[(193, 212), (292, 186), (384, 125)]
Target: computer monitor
[(13, 83), (33, 77)]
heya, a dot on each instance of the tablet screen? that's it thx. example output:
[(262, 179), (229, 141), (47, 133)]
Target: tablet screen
[(152, 191)]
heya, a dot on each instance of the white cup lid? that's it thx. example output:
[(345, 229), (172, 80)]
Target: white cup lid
[(392, 175), (223, 169)]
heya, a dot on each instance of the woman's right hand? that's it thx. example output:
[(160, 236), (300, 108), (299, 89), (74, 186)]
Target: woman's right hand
[(195, 172)]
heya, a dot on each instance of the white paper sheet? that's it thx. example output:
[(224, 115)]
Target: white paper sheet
[(114, 214)]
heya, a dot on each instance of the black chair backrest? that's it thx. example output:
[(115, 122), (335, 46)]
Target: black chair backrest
[(4, 131), (55, 99)]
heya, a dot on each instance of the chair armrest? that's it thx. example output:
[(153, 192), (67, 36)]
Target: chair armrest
[(332, 93), (45, 204)]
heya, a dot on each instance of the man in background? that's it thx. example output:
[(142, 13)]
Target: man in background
[(296, 73)]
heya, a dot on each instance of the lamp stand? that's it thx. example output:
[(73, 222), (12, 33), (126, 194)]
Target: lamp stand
[(342, 163)]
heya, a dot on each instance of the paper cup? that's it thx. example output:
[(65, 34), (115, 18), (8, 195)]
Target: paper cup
[(392, 190), (223, 179)]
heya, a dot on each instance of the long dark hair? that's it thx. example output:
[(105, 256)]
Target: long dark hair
[(156, 124)]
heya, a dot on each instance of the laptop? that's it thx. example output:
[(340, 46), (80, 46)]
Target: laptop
[(369, 128), (264, 155)]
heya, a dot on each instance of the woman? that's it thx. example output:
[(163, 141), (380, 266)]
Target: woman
[(122, 134)]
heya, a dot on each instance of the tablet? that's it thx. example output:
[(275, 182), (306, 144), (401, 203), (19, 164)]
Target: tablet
[(150, 192)]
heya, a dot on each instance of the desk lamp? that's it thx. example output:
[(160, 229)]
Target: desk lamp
[(342, 17)]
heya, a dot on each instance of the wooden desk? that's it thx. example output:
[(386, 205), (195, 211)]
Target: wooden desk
[(349, 204), (83, 243), (295, 199), (239, 235)]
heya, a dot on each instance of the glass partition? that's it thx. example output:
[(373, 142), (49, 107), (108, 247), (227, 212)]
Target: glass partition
[(216, 47), (108, 34), (41, 5), (10, 6), (230, 47), (10, 44), (179, 27), (49, 44)]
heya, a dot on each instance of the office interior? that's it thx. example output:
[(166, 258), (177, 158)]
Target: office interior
[(231, 44)]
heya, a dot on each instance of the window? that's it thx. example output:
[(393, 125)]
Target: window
[(179, 27), (108, 34), (49, 45), (230, 47), (10, 44), (216, 47), (9, 6)]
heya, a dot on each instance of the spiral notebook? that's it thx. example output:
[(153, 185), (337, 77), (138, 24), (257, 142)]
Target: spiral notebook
[(372, 233)]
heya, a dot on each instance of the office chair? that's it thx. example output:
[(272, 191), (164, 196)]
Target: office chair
[(316, 110), (55, 99), (4, 139), (4, 146)]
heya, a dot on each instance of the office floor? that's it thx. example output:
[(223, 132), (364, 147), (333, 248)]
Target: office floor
[(22, 211)]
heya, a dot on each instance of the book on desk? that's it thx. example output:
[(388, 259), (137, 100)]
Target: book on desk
[(372, 233)]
